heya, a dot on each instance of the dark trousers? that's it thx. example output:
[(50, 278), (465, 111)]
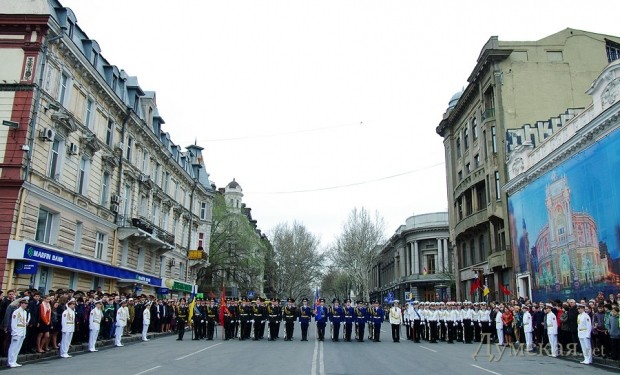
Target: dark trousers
[(181, 328), (336, 331), (320, 328), (468, 330), (478, 331), (304, 331), (485, 329), (433, 331), (377, 332), (289, 327), (396, 332), (360, 331), (416, 330), (442, 330), (348, 328), (451, 332), (210, 329)]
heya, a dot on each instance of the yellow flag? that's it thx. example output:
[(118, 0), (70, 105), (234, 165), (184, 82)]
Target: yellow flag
[(191, 310), (486, 291)]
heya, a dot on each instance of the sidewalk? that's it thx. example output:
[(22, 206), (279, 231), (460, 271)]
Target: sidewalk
[(81, 348)]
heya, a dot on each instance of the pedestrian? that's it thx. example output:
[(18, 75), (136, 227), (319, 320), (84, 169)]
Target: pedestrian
[(94, 325), (45, 322), (19, 323), (613, 327), (68, 327), (507, 320), (552, 329), (395, 321)]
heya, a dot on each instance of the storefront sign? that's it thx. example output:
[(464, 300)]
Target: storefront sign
[(26, 251), (25, 268)]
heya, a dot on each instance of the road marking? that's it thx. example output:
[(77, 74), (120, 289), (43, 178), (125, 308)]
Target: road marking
[(201, 350), (321, 361), (430, 350), (318, 353), (314, 355), (145, 371), (483, 369)]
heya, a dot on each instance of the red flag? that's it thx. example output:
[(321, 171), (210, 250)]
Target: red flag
[(504, 290), (474, 286), (222, 306)]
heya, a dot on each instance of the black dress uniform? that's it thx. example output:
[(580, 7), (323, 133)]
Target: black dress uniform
[(289, 314), (211, 314), (274, 312), (182, 315), (245, 319), (349, 319)]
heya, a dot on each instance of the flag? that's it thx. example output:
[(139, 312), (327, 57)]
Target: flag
[(223, 307), (475, 285), (504, 290), (317, 303), (486, 291), (191, 310), (424, 271)]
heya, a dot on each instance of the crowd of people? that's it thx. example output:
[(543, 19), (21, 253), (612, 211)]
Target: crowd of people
[(34, 323)]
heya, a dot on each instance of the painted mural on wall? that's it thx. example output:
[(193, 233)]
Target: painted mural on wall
[(565, 225)]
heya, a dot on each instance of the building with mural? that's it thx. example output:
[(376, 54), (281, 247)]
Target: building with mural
[(564, 199)]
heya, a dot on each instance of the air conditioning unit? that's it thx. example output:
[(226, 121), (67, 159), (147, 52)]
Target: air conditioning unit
[(48, 134), (114, 207), (119, 146), (116, 198), (73, 149), (144, 178)]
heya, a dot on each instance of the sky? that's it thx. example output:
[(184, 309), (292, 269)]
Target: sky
[(318, 107)]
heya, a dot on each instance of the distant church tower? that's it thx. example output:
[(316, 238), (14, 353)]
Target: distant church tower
[(233, 194), (559, 211)]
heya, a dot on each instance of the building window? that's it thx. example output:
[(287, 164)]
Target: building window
[(486, 149), (95, 58), (156, 213), (166, 182), (164, 219), (459, 206), (466, 137), (96, 282), (464, 255), (55, 156), (613, 51), (430, 263), (143, 205), (114, 82), (472, 249), (73, 280), (482, 248), (203, 210), (182, 270), (494, 139), (497, 186), (554, 56), (460, 175), (468, 168), (127, 201), (458, 147), (83, 173), (480, 196), (109, 134), (136, 103), (46, 223), (63, 89), (77, 243), (477, 160), (201, 240), (141, 259), (474, 128), (100, 244), (157, 179), (129, 149), (145, 162), (105, 188), (88, 115), (468, 202)]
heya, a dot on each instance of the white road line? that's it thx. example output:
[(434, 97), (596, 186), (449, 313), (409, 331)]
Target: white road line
[(321, 362), (201, 350), (145, 371), (430, 350), (483, 369), (314, 355)]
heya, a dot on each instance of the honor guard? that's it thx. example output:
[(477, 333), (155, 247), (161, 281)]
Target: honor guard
[(584, 330), (475, 318), (234, 323), (289, 314), (450, 321), (349, 318), (229, 329), (68, 327), (426, 310), (19, 321), (146, 320), (94, 324), (468, 323), (459, 322), (198, 317), (528, 328), (361, 315), (260, 316), (407, 319), (245, 319), (336, 316), (212, 312), (441, 315), (395, 321), (432, 320), (377, 315), (320, 317), (416, 317), (274, 312), (305, 315), (182, 315)]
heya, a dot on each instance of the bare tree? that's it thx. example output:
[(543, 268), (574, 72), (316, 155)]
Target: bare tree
[(356, 249), (298, 261), (336, 284)]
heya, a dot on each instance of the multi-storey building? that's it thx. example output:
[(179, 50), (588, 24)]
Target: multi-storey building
[(563, 196), (513, 83), (416, 263), (94, 192)]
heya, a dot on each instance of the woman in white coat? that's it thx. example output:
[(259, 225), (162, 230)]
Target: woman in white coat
[(146, 320), (552, 329)]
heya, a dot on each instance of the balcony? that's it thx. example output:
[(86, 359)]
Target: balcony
[(142, 231), (501, 259)]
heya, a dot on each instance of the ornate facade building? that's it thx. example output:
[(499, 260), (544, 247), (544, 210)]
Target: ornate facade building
[(513, 83), (94, 192), (417, 262)]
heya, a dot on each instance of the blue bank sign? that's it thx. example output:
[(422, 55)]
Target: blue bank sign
[(39, 254)]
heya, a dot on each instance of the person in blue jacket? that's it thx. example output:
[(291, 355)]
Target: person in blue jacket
[(305, 316), (320, 317), (348, 319), (377, 315), (336, 316), (361, 315)]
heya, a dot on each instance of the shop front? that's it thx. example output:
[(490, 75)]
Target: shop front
[(171, 288), (35, 266)]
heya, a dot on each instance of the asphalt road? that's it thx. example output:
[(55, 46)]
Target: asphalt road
[(165, 355)]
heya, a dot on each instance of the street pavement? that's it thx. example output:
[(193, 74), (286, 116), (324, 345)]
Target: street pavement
[(165, 355)]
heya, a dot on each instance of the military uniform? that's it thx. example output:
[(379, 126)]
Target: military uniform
[(182, 315), (336, 316), (361, 315), (260, 315), (245, 319), (377, 315), (211, 311), (289, 314), (274, 312), (320, 317), (416, 317), (349, 319), (305, 316), (19, 322)]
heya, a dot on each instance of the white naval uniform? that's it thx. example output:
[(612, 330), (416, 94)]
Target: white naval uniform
[(121, 321), (552, 332), (68, 327), (94, 324), (528, 329), (146, 321), (19, 321), (499, 327), (584, 329)]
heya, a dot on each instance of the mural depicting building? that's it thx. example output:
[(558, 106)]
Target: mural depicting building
[(564, 200)]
